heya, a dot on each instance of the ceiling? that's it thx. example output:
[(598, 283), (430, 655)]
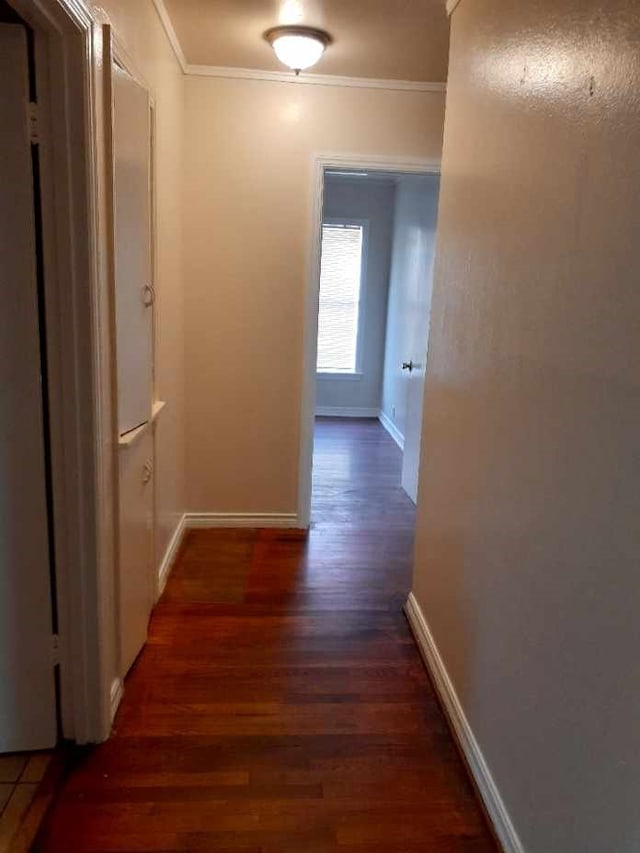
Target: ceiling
[(381, 39)]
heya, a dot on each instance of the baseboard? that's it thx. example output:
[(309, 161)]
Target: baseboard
[(346, 412), (116, 696), (392, 429), (462, 731), (170, 555), (250, 519)]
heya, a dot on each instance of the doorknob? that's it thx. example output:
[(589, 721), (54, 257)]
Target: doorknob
[(407, 365)]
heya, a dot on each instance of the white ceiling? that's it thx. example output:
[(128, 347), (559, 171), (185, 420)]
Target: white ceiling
[(380, 39)]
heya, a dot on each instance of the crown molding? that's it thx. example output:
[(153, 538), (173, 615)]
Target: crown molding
[(451, 5), (167, 25), (284, 76), (313, 79)]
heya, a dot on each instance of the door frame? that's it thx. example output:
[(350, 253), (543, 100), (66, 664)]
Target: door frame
[(76, 195), (320, 164)]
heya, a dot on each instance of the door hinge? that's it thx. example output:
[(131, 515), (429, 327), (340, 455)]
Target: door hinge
[(34, 130), (55, 649)]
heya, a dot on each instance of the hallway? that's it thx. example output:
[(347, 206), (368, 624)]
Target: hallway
[(280, 704)]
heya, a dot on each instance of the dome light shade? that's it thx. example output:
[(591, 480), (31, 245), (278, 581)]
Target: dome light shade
[(298, 47)]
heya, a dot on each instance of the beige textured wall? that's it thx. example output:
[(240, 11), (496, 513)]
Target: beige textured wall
[(528, 534), (138, 27), (248, 156)]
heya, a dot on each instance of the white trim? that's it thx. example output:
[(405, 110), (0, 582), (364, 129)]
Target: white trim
[(319, 164), (116, 694), (392, 429), (313, 79), (164, 570), (462, 730), (171, 34), (333, 161), (255, 520), (346, 412), (451, 5)]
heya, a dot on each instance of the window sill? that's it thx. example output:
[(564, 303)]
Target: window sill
[(329, 377)]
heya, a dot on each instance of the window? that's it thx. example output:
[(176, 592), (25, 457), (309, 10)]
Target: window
[(340, 294)]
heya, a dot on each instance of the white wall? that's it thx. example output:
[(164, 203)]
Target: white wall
[(371, 199), (528, 535), (248, 183), (416, 212)]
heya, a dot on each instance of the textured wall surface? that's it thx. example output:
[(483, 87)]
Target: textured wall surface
[(528, 537)]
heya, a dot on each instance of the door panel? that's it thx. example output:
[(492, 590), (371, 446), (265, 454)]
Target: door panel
[(421, 209), (27, 689), (132, 207), (136, 546)]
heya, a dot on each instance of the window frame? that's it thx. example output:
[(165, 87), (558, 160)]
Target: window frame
[(358, 373)]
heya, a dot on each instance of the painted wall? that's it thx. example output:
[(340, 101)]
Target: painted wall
[(371, 199), (248, 155), (413, 249), (528, 536), (138, 27)]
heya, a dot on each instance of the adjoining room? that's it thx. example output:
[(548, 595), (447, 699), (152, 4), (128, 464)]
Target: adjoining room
[(375, 282)]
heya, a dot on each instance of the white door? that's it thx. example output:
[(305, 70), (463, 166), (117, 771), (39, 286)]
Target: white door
[(134, 291), (424, 212), (136, 547), (27, 689)]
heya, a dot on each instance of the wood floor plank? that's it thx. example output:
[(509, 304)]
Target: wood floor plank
[(280, 704)]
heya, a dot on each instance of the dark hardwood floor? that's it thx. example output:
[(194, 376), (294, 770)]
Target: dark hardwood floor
[(280, 705)]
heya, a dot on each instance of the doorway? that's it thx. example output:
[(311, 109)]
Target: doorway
[(373, 278)]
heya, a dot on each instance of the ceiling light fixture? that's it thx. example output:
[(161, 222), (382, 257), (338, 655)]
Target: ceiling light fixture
[(298, 47)]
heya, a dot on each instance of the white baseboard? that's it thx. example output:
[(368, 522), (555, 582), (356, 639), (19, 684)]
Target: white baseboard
[(392, 429), (117, 691), (250, 519), (346, 412), (170, 555), (462, 730)]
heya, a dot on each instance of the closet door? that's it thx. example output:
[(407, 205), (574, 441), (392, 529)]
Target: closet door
[(132, 208), (136, 546)]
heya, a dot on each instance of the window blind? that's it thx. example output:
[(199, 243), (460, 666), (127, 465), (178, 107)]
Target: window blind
[(339, 313)]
